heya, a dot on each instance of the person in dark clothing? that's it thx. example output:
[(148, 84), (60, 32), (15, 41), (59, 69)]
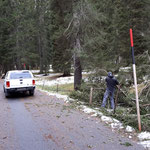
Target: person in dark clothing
[(111, 84)]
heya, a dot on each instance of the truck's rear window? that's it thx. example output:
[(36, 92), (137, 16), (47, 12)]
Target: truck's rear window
[(18, 75)]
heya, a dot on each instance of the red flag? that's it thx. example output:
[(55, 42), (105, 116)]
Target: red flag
[(131, 37)]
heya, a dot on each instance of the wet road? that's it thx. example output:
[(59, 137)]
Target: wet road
[(45, 122)]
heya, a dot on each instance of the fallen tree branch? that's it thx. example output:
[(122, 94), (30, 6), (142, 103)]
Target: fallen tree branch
[(145, 87), (68, 26), (103, 70), (145, 105), (127, 95), (146, 115), (147, 92)]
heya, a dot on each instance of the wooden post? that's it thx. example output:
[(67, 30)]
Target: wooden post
[(135, 81), (137, 100), (57, 88), (43, 84), (91, 96), (116, 100)]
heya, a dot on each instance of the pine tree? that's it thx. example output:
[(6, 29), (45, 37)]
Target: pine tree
[(61, 45), (6, 40)]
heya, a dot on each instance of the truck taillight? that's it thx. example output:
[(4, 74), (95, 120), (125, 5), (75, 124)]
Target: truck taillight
[(33, 82), (7, 84)]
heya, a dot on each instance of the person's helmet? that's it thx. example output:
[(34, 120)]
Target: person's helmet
[(110, 74)]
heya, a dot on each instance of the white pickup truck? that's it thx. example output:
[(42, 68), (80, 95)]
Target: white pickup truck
[(19, 81)]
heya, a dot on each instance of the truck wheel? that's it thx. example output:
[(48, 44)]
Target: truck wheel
[(7, 94), (31, 92)]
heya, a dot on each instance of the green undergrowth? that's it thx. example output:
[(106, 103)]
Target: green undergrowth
[(125, 111), (124, 115), (126, 107)]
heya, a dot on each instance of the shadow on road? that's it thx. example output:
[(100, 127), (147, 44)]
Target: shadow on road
[(19, 95)]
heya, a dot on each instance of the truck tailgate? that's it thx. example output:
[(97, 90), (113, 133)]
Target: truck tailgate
[(19, 83)]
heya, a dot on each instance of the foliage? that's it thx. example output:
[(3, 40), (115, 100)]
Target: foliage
[(126, 105), (39, 33), (24, 36), (61, 55)]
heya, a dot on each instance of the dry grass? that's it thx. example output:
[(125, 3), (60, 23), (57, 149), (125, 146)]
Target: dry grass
[(62, 89), (140, 88)]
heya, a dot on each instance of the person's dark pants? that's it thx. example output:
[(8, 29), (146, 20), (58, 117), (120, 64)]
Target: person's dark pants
[(111, 96)]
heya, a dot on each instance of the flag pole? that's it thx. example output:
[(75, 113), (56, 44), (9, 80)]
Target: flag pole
[(135, 82)]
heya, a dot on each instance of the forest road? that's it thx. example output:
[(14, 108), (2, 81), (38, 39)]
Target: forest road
[(44, 122)]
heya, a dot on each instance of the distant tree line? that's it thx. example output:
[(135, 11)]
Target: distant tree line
[(87, 34)]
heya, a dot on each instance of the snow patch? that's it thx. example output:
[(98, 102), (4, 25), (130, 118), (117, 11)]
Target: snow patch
[(94, 115), (130, 137), (116, 121), (145, 144), (106, 119), (116, 126), (61, 80), (79, 102), (90, 110), (125, 69), (144, 136), (129, 129), (66, 98), (39, 75), (110, 110), (35, 71)]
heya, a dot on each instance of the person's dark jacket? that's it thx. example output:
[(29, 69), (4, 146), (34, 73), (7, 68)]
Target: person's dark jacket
[(111, 83)]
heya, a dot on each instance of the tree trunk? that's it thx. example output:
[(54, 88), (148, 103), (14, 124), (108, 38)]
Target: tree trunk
[(18, 61), (77, 73), (40, 53), (41, 33), (77, 48)]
